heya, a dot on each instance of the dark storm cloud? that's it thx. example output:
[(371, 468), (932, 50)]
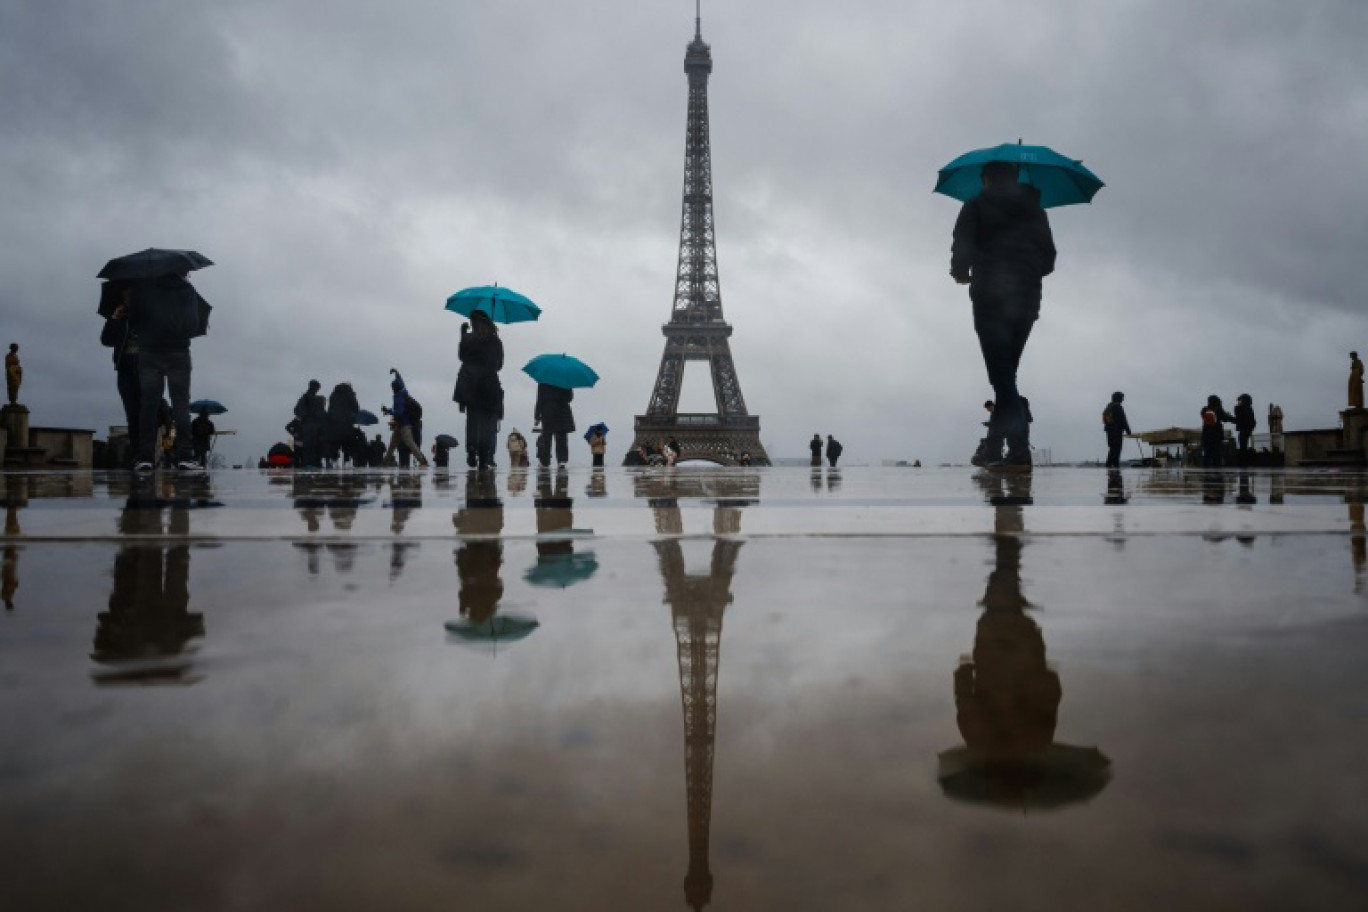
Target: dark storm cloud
[(349, 169)]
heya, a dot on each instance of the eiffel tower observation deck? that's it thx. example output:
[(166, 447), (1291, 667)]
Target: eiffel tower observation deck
[(697, 332)]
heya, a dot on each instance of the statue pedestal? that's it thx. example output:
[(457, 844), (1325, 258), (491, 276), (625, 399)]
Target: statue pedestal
[(1355, 424), (15, 419)]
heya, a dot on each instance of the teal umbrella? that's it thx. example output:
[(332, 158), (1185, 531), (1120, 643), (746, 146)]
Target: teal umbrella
[(562, 570), (366, 418), (212, 406), (1061, 181), (493, 630), (565, 371), (503, 305), (1058, 775)]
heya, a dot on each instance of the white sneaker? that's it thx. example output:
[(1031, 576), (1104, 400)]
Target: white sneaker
[(143, 468), (561, 465), (189, 467)]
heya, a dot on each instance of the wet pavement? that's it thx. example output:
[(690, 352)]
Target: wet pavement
[(659, 689)]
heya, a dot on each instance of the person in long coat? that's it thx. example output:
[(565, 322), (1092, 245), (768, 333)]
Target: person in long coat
[(478, 391), (554, 416), (1355, 381), (1116, 426), (1245, 422), (815, 445)]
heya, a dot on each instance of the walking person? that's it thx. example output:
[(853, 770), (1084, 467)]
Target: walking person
[(201, 437), (815, 445), (311, 411), (1245, 422), (598, 445), (478, 392), (1116, 426), (833, 450), (164, 314), (118, 335), (556, 420), (404, 410), (1002, 249)]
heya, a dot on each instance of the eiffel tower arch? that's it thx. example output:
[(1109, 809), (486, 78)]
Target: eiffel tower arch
[(696, 331)]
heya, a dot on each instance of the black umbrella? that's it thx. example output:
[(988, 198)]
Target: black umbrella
[(447, 441), (154, 262)]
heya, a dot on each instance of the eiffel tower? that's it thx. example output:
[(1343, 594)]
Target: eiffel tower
[(696, 331), (696, 606)]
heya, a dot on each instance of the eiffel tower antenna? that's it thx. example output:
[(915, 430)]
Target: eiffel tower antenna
[(697, 331)]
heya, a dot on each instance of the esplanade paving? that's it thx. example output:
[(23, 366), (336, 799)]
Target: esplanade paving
[(683, 688)]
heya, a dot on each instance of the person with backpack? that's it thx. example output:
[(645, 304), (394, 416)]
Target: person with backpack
[(311, 411), (405, 411), (1116, 426), (833, 450)]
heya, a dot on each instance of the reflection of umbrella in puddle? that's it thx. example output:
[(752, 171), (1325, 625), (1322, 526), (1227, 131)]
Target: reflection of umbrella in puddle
[(1058, 775), (562, 569), (498, 628)]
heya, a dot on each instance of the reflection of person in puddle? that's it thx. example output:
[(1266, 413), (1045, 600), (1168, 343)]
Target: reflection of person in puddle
[(148, 617), (9, 576), (554, 514), (1006, 695), (478, 559)]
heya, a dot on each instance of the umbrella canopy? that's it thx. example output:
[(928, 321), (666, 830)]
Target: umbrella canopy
[(1061, 181), (503, 305), (446, 440), (565, 371), (364, 417), (493, 630), (213, 406), (1059, 775), (562, 570), (154, 262), (600, 427)]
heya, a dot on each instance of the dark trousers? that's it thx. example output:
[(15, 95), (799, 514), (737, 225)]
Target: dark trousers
[(598, 460), (1002, 341), (482, 429), (562, 441), (154, 370), (130, 391), (1114, 442)]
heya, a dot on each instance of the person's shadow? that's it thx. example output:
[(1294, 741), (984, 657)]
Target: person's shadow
[(1007, 696), (146, 637)]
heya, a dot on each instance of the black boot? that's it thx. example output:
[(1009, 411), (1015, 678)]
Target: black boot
[(989, 451)]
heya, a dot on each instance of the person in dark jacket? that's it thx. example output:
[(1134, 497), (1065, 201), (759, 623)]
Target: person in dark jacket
[(120, 337), (311, 410), (1213, 435), (375, 452), (164, 314), (201, 437), (339, 422), (833, 450), (1002, 249), (1245, 422), (1117, 427), (556, 420), (815, 445), (403, 423), (478, 391)]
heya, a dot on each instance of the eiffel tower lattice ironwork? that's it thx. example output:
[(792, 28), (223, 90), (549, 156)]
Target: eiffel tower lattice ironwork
[(696, 606), (696, 331)]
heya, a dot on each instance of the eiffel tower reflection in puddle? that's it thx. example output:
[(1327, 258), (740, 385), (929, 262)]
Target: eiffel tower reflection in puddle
[(697, 603)]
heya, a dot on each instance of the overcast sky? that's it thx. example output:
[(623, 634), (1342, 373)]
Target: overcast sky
[(347, 167)]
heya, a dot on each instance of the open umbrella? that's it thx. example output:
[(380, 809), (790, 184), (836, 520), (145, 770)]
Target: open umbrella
[(491, 631), (600, 428), (503, 305), (446, 440), (562, 570), (212, 406), (1061, 181), (1059, 775), (154, 262), (364, 417), (565, 371)]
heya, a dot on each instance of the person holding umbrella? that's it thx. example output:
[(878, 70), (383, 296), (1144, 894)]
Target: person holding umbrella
[(478, 391), (165, 315), (1002, 249), (201, 436), (557, 376), (598, 443)]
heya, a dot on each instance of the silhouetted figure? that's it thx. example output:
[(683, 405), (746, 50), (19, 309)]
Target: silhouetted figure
[(833, 450), (1117, 426), (311, 411), (1245, 422), (119, 336), (478, 391), (339, 427), (1355, 381), (165, 313), (405, 411), (556, 420), (816, 447), (201, 437), (1002, 250), (14, 373)]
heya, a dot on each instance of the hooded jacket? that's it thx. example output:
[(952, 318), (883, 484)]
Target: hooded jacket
[(1003, 245), (553, 409), (166, 313)]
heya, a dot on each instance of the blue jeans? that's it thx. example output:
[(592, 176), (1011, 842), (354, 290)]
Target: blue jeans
[(154, 369)]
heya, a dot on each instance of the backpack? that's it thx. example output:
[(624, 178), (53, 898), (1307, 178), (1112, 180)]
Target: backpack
[(413, 408), (1107, 415)]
